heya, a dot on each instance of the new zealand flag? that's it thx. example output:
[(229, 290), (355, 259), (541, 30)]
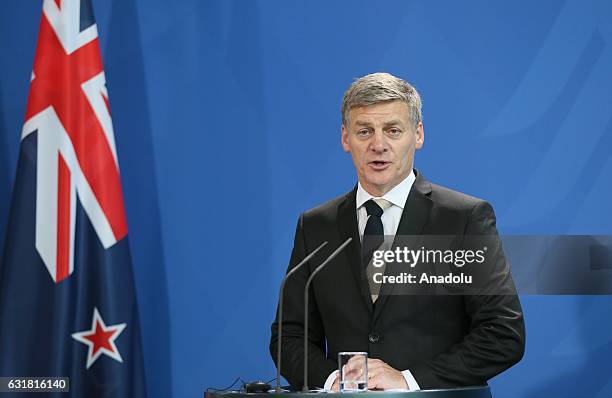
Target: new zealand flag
[(67, 300)]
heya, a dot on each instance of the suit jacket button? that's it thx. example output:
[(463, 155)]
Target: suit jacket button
[(374, 337)]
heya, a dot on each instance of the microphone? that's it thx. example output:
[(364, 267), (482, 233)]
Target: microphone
[(319, 268), (280, 313)]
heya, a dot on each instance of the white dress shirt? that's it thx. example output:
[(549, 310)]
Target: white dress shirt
[(390, 219)]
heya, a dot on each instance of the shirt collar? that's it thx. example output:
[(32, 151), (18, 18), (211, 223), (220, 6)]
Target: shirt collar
[(397, 196)]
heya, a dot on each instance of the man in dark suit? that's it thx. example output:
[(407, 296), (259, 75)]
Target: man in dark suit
[(413, 341)]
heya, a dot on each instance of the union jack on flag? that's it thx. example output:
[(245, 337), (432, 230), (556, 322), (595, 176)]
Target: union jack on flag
[(68, 107), (67, 301)]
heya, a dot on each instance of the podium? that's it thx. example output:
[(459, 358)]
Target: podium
[(462, 392)]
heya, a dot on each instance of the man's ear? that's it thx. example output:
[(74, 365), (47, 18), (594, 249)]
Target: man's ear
[(420, 136), (345, 139)]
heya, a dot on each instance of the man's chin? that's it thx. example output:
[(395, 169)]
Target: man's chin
[(379, 179), (380, 186)]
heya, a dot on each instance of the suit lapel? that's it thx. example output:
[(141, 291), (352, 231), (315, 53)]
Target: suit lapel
[(347, 217), (417, 208), (414, 218)]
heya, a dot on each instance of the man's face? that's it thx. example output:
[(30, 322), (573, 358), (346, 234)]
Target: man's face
[(382, 140)]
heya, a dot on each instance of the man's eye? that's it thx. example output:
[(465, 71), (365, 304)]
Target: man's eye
[(394, 132), (363, 132)]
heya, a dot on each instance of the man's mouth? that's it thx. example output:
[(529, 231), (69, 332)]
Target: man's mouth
[(379, 164)]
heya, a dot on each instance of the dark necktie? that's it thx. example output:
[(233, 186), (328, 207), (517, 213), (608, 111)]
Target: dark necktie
[(373, 235)]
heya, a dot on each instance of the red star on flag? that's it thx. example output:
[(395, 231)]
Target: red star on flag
[(100, 339)]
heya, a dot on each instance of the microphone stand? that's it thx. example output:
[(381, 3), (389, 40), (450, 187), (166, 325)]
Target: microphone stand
[(280, 313), (319, 268)]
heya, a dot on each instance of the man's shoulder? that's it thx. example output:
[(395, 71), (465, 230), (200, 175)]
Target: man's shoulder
[(454, 200), (442, 197), (455, 211), (329, 209)]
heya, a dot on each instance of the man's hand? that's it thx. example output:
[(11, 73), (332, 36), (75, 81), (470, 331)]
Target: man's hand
[(336, 385), (383, 377)]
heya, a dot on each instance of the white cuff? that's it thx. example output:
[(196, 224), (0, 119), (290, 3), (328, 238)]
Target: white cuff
[(330, 381), (412, 383)]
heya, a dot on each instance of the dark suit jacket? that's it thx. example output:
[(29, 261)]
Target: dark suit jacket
[(444, 340)]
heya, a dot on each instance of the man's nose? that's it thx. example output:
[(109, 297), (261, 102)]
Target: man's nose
[(379, 142)]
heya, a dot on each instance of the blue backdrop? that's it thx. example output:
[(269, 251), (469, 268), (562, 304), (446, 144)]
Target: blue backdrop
[(227, 123)]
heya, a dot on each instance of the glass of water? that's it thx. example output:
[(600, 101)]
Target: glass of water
[(353, 367)]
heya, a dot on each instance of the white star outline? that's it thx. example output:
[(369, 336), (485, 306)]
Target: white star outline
[(80, 337)]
